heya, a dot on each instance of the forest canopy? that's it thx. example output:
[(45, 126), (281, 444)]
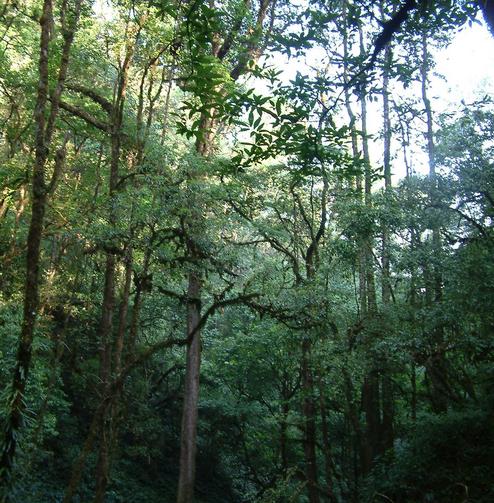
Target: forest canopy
[(246, 254)]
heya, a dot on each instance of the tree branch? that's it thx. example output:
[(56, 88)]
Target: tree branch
[(105, 104), (82, 114)]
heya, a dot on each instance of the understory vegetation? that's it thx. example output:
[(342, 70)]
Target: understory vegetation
[(246, 254)]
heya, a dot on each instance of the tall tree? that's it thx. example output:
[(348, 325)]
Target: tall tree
[(220, 50), (44, 131)]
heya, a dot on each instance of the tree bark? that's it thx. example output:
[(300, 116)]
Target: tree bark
[(309, 414), (436, 366), (386, 275), (309, 404), (355, 151), (138, 298), (43, 136), (358, 444), (326, 443), (370, 387), (283, 435), (106, 325), (186, 479), (185, 491), (191, 394), (387, 425), (370, 405), (387, 431), (123, 310)]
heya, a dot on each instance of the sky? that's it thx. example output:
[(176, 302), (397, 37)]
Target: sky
[(467, 64), (464, 72)]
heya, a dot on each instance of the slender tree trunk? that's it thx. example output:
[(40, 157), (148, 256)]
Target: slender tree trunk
[(105, 340), (283, 434), (110, 434), (387, 426), (43, 136), (19, 211), (309, 413), (185, 492), (167, 106), (366, 439), (187, 472), (370, 405), (358, 444), (355, 151), (435, 364), (105, 333), (368, 253), (436, 236), (326, 443), (286, 394), (386, 283), (413, 378), (78, 466), (414, 242), (387, 432), (138, 298), (62, 317), (123, 310), (370, 388), (106, 326), (191, 394), (309, 403)]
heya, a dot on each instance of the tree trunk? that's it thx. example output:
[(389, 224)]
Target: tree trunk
[(191, 394), (309, 406), (358, 444), (386, 283), (309, 414), (136, 306), (387, 425), (355, 151), (283, 436), (326, 444), (106, 326), (105, 333), (186, 479), (185, 493), (370, 405), (43, 136), (387, 432), (370, 387), (78, 466), (436, 236), (436, 369), (122, 312)]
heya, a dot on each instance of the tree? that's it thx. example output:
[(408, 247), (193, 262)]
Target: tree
[(238, 298), (44, 134)]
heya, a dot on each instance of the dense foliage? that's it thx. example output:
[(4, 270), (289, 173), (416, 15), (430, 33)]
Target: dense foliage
[(172, 204)]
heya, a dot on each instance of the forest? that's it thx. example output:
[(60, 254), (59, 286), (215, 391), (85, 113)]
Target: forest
[(246, 253)]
